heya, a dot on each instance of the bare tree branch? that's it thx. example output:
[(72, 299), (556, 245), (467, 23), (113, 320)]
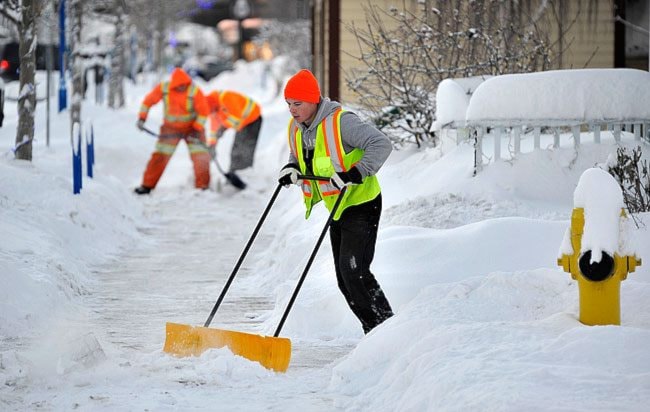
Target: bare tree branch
[(9, 9), (405, 53)]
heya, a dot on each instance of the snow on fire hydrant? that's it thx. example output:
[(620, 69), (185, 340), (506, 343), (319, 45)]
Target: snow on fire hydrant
[(595, 249)]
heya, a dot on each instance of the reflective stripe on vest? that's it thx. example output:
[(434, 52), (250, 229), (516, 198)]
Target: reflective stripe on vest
[(189, 105), (201, 120), (293, 146), (190, 99), (248, 109), (332, 140), (234, 120), (329, 158)]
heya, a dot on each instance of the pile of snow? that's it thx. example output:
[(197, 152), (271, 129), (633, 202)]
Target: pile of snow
[(451, 104), (576, 96), (452, 99)]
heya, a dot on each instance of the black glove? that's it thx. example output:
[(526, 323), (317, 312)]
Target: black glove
[(342, 179), (140, 124), (289, 175)]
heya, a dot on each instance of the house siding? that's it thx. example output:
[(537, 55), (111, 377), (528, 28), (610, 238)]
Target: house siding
[(589, 42)]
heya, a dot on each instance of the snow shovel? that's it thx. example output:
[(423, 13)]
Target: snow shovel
[(271, 352), (230, 176)]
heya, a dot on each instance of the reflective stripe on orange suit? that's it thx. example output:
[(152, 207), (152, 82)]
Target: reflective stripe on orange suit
[(164, 150), (183, 111)]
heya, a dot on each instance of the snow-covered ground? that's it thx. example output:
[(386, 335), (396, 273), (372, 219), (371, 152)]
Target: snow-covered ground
[(485, 319)]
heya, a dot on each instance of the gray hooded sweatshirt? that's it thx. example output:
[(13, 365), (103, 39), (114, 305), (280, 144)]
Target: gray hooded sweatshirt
[(355, 134)]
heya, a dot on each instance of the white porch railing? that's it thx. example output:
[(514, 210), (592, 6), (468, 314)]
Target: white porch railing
[(639, 129), (580, 103)]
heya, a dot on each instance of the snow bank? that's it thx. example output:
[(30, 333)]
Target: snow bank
[(504, 341), (50, 237), (573, 96)]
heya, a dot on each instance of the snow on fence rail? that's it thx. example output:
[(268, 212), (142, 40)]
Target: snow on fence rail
[(588, 100)]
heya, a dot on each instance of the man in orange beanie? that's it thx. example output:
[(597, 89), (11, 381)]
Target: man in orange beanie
[(327, 141), (233, 110), (303, 86), (185, 112)]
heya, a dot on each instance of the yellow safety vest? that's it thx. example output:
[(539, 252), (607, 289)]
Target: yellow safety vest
[(330, 157)]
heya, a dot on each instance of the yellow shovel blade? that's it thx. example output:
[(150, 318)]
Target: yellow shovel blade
[(185, 340)]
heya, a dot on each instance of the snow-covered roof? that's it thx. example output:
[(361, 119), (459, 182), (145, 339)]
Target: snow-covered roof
[(562, 96)]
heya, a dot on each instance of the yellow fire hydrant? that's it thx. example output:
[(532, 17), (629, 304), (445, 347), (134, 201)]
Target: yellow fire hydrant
[(599, 282)]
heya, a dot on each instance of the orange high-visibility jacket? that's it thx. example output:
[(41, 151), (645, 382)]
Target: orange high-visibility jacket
[(183, 110), (230, 109)]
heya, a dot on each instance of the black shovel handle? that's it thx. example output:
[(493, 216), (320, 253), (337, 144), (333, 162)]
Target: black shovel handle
[(312, 177), (148, 131), (243, 255), (311, 258), (252, 239)]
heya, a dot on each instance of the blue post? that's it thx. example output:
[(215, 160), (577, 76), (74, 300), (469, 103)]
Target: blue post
[(90, 152), (63, 94), (76, 164)]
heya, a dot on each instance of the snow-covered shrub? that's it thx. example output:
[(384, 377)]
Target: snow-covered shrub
[(632, 174)]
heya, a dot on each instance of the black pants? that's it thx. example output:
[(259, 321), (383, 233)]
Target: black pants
[(243, 149), (353, 239)]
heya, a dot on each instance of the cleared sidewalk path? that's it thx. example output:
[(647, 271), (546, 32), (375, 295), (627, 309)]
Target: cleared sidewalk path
[(176, 275)]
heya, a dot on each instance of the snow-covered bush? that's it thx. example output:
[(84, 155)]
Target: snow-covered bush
[(631, 172)]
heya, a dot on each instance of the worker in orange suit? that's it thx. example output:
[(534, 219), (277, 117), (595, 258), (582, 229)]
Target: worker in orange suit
[(185, 112), (232, 110)]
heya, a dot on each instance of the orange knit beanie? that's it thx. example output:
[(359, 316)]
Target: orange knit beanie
[(303, 86)]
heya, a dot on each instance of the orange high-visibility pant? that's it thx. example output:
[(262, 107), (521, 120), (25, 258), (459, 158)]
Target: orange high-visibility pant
[(165, 148)]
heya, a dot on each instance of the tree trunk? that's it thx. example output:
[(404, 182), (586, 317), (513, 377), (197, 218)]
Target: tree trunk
[(27, 93), (77, 64), (118, 62)]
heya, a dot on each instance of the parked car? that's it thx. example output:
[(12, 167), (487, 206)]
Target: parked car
[(214, 68), (10, 59)]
